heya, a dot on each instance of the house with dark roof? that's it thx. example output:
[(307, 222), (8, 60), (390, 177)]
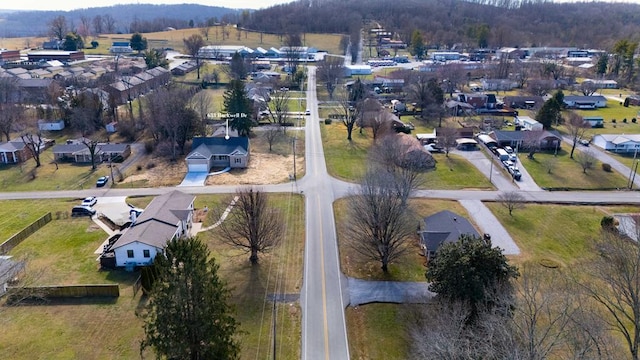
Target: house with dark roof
[(585, 102), (441, 228), (543, 139), (79, 153), (13, 152), (167, 217), (209, 152)]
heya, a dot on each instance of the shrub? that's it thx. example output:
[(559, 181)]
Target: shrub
[(606, 167), (327, 121), (613, 121), (624, 120), (633, 120), (139, 167), (150, 165), (94, 44), (608, 223), (149, 146)]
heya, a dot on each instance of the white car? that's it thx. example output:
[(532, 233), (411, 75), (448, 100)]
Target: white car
[(89, 201), (308, 112)]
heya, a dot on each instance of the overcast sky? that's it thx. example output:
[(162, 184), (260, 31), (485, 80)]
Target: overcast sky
[(79, 4)]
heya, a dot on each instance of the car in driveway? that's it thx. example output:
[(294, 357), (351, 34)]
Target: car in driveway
[(516, 174), (89, 201), (102, 181), (584, 142), (307, 112), (433, 148), (81, 210)]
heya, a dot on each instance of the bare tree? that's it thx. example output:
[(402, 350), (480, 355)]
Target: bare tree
[(252, 224), (588, 87), (272, 134), (84, 29), (549, 163), (98, 24), (446, 137), (34, 144), (577, 129), (278, 107), (404, 158), (586, 159), (109, 24), (523, 70), (293, 51), (58, 27), (542, 314), (192, 46), (10, 114), (380, 225), (94, 148), (330, 71), (614, 283), (511, 200), (351, 106), (202, 104)]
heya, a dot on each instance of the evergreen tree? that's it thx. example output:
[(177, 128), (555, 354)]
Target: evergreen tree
[(187, 316), (418, 47), (73, 42), (238, 107), (602, 64), (472, 271), (137, 42), (549, 113)]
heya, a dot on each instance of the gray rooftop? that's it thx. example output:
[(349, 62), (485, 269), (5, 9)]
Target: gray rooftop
[(445, 227)]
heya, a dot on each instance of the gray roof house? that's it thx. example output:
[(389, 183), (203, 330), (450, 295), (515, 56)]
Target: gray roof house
[(166, 217), (211, 152), (79, 153), (441, 228)]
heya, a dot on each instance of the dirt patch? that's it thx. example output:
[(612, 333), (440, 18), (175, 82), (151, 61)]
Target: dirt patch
[(263, 169)]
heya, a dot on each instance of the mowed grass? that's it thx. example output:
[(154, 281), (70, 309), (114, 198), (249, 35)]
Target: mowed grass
[(377, 331), (411, 267), (567, 172), (28, 177), (561, 233), (62, 253), (347, 160)]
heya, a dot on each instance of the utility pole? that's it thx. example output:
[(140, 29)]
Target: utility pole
[(634, 166), (274, 314)]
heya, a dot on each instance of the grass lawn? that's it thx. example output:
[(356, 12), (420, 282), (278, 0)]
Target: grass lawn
[(347, 161), (567, 173), (83, 329), (376, 331), (67, 176), (411, 266)]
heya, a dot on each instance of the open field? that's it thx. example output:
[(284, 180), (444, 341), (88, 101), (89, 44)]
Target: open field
[(377, 331), (567, 173), (109, 329)]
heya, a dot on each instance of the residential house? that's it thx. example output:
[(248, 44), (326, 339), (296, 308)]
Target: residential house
[(528, 123), (542, 139), (32, 91), (445, 55), (442, 228), (617, 143), (585, 102), (184, 68), (120, 47), (13, 152), (167, 217), (209, 152), (498, 84), (594, 121), (603, 83), (77, 152), (523, 102)]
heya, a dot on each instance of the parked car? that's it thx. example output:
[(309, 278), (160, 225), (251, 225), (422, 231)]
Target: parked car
[(433, 148), (508, 149), (308, 112), (513, 157), (516, 174), (584, 142), (89, 201), (81, 210), (102, 181)]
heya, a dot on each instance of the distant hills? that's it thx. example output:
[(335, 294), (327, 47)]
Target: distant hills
[(35, 23)]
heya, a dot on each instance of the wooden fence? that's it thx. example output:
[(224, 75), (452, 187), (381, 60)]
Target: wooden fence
[(19, 237), (63, 291)]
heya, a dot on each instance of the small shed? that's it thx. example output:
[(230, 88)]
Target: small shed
[(594, 121), (528, 123), (50, 125)]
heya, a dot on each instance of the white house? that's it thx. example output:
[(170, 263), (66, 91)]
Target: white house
[(528, 123), (166, 217), (585, 102), (351, 70), (619, 143)]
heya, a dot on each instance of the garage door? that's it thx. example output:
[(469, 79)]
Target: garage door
[(198, 168)]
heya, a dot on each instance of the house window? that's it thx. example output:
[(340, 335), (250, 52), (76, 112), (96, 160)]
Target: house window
[(129, 253), (146, 253), (238, 161)]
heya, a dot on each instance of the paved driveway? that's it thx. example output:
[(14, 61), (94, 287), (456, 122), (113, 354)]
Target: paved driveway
[(194, 179), (113, 207), (489, 224)]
